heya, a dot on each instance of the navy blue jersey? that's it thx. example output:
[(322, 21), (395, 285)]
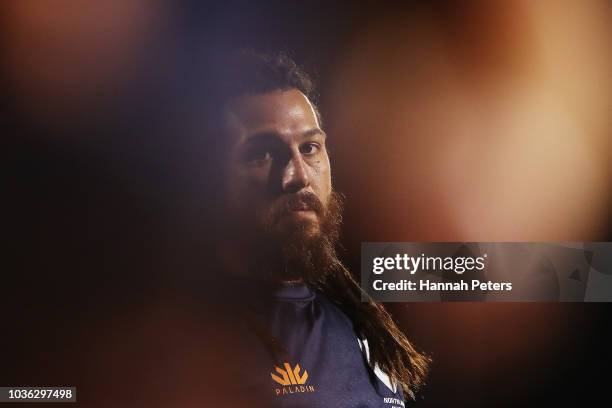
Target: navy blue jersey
[(325, 363)]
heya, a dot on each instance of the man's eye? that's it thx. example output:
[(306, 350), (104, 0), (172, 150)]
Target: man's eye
[(309, 148), (258, 156)]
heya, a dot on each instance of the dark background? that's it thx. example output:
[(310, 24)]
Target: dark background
[(104, 195)]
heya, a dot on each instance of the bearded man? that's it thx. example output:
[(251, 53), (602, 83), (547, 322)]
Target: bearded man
[(277, 227)]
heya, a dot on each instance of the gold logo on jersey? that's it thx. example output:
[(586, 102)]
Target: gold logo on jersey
[(290, 376), (291, 380)]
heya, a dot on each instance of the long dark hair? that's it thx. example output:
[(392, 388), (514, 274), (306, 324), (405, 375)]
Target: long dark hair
[(389, 346)]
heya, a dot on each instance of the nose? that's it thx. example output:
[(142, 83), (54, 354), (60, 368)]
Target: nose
[(295, 174)]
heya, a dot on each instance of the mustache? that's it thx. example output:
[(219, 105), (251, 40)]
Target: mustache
[(299, 201)]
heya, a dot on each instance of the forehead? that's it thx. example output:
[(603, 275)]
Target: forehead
[(283, 112)]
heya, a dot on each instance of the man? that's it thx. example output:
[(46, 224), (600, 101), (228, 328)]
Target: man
[(277, 226)]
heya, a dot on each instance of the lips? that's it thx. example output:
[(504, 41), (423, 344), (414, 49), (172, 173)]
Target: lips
[(300, 207)]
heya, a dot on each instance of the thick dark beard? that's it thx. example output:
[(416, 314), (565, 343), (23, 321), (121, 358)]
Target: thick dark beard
[(299, 254)]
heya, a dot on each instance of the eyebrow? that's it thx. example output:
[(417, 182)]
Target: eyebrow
[(267, 136), (313, 132)]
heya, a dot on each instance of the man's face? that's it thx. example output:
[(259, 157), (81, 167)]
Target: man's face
[(279, 178)]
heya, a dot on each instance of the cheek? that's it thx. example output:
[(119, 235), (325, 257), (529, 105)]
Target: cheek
[(246, 189), (322, 180)]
